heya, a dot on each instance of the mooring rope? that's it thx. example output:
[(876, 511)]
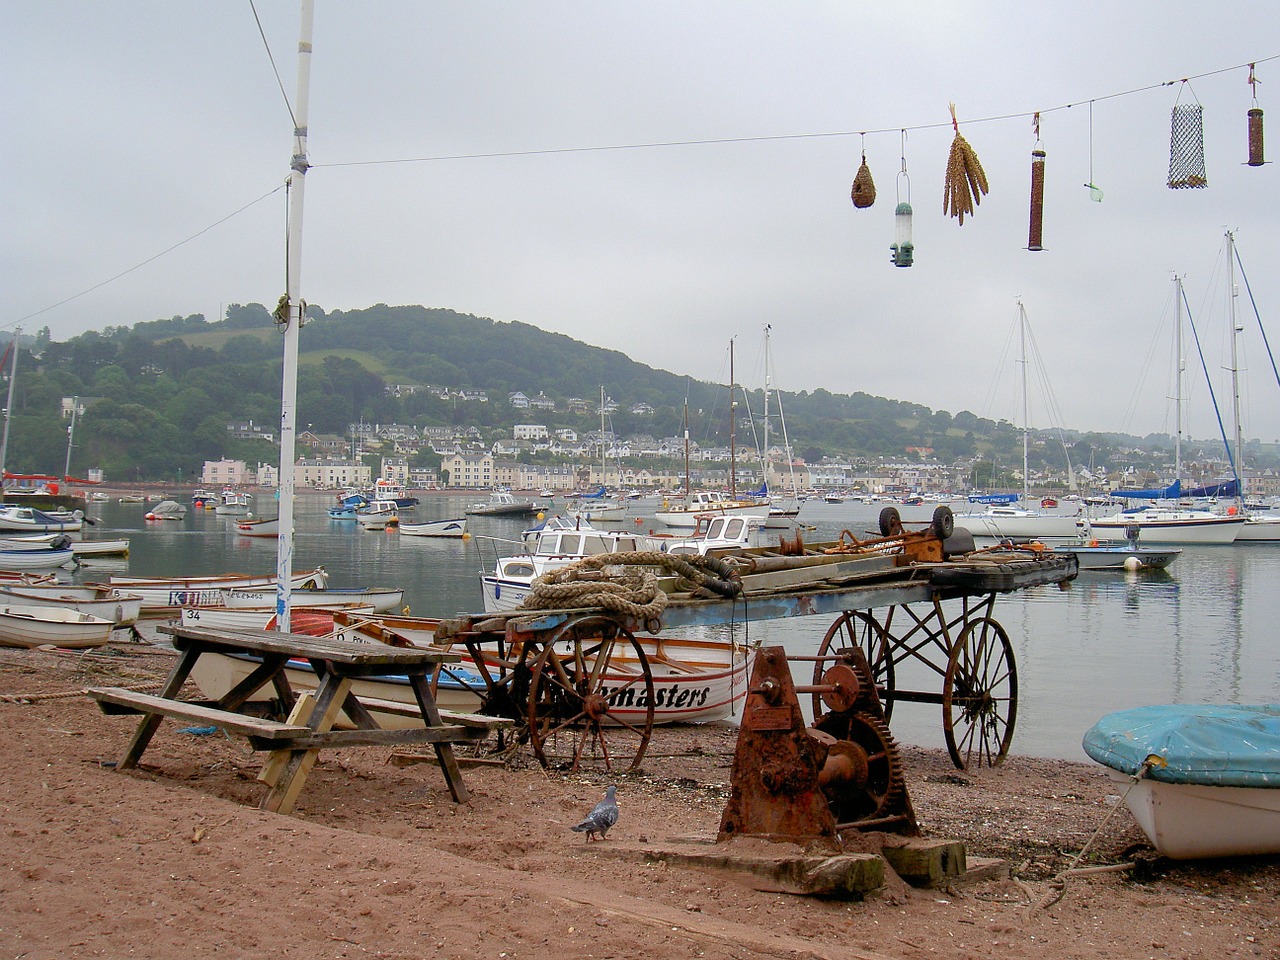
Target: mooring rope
[(68, 694), (605, 581)]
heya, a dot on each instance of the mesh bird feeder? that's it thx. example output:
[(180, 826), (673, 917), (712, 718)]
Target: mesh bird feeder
[(1035, 232), (1255, 125), (1186, 146), (864, 188)]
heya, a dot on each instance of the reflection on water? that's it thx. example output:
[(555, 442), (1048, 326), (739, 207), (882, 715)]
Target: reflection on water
[(1203, 631)]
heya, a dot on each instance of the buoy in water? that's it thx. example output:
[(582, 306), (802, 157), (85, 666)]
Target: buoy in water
[(1132, 563)]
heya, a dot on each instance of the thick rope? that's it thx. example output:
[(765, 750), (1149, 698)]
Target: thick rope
[(591, 582)]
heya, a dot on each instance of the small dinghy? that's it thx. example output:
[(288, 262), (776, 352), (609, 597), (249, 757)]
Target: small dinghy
[(1207, 777)]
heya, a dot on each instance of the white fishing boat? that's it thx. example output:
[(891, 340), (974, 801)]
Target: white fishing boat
[(233, 503), (101, 548), (502, 504), (161, 595), (381, 599), (556, 544), (699, 680), (712, 534), (31, 520), (265, 527), (455, 527), (28, 625), (42, 558), (378, 515), (709, 503), (1201, 780), (120, 608)]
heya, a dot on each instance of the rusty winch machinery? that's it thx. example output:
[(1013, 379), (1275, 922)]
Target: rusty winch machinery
[(815, 782)]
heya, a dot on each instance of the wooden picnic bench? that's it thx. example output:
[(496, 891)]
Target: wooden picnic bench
[(294, 742)]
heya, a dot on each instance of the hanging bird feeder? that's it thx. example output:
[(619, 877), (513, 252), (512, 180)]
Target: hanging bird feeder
[(965, 181), (1095, 191), (1036, 231), (1255, 124), (1186, 145), (863, 193), (903, 250)]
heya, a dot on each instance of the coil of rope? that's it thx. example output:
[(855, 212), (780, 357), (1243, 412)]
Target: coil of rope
[(633, 588)]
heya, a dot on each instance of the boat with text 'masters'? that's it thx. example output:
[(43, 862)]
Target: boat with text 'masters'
[(694, 681)]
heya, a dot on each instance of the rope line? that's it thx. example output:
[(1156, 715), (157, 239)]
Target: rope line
[(899, 129)]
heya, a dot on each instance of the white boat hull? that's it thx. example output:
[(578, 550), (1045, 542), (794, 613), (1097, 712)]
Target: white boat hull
[(1259, 530), (435, 528), (1119, 557), (1187, 821), (34, 626), (166, 596), (681, 519), (1030, 526), (381, 600), (122, 609), (42, 559), (1206, 530)]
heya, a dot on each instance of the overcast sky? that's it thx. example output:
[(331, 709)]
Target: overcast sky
[(130, 127)]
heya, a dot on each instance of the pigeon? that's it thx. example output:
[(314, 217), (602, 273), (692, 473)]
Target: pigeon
[(603, 816)]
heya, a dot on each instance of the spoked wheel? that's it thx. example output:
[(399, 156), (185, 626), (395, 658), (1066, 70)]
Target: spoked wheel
[(858, 628), (980, 695), (591, 698)]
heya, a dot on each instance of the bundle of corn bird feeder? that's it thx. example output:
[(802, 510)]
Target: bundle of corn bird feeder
[(1186, 147), (863, 193), (965, 182)]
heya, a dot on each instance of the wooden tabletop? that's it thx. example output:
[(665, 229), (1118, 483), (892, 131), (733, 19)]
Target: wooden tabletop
[(294, 645)]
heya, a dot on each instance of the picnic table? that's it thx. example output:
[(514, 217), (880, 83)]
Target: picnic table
[(308, 722)]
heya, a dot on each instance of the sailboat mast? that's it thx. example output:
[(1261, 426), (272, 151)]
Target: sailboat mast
[(1232, 293), (733, 453), (292, 320), (1026, 420), (1177, 392), (764, 459), (8, 407)]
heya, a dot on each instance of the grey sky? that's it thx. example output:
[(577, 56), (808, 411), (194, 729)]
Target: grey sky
[(131, 126)]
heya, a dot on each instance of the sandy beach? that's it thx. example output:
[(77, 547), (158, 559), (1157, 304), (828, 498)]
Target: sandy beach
[(175, 860)]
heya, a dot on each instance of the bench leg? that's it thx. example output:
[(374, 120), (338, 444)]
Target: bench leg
[(150, 722), (444, 750), (329, 698)]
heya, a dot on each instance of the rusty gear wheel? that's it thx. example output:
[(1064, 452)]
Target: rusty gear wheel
[(866, 780)]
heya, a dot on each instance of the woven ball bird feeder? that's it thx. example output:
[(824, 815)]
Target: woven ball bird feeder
[(1186, 147), (1035, 234), (863, 193), (965, 182)]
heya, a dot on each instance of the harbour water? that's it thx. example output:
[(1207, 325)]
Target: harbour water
[(1205, 631)]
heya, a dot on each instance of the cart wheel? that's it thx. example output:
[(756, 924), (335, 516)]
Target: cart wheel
[(980, 695), (944, 522), (591, 698), (890, 522), (858, 628)]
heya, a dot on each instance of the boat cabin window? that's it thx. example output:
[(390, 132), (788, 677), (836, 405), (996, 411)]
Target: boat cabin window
[(517, 569)]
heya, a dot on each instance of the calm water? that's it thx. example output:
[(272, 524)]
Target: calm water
[(1205, 631)]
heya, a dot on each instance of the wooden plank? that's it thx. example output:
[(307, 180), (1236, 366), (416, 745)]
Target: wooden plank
[(377, 738), (157, 706), (299, 715), (310, 648), (329, 697), (398, 709), (816, 574)]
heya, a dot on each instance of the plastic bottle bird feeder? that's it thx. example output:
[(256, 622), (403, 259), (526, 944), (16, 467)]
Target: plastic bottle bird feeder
[(902, 248)]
